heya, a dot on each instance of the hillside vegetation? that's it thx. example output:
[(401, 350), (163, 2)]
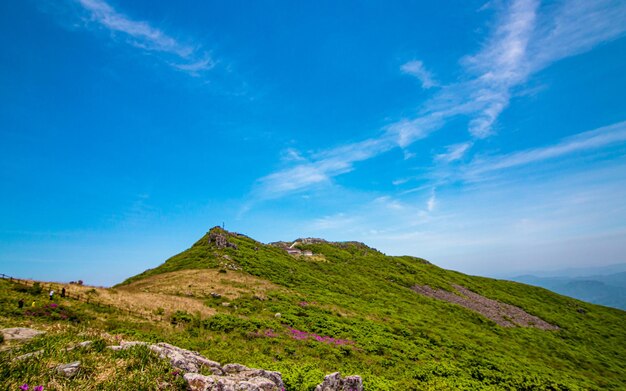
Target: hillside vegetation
[(352, 309)]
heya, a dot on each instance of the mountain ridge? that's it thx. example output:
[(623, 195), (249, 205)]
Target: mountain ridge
[(349, 291)]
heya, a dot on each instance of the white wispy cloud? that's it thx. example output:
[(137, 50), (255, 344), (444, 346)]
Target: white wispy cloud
[(339, 221), (453, 152), (416, 68), (585, 141), (292, 155), (575, 26), (432, 202), (140, 34), (529, 38), (501, 64), (319, 168), (525, 39)]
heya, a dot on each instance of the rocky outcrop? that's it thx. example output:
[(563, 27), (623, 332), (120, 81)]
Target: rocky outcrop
[(20, 333), (334, 382), (505, 315), (236, 377), (185, 360), (232, 377), (220, 240), (310, 240), (199, 382)]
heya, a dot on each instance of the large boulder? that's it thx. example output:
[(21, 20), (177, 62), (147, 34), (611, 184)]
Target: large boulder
[(233, 382), (241, 371), (185, 360), (334, 382)]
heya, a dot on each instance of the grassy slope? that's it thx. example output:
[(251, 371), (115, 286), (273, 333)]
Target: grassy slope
[(402, 339), (67, 323)]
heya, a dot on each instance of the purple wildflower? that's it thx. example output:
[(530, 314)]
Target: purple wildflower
[(24, 387), (54, 305), (302, 335), (38, 388)]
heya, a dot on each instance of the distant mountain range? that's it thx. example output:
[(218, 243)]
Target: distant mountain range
[(604, 285)]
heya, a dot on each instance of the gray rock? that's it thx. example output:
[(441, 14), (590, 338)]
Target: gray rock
[(240, 382), (184, 359), (334, 382), (130, 344), (231, 377), (20, 333), (29, 355), (127, 345), (221, 241), (68, 370), (235, 368), (84, 344)]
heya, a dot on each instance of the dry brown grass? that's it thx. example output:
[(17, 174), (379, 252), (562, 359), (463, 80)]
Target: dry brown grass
[(145, 303), (201, 283), (181, 290)]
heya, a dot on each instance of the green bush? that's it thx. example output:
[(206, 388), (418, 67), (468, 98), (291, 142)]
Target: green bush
[(36, 289), (181, 317), (226, 323)]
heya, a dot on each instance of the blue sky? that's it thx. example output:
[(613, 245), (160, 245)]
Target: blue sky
[(486, 136)]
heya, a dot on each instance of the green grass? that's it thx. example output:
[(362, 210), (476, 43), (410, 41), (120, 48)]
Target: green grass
[(391, 336)]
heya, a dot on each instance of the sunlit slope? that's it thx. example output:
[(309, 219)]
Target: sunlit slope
[(353, 292)]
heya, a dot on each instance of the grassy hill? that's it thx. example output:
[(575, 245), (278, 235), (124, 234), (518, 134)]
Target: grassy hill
[(349, 307)]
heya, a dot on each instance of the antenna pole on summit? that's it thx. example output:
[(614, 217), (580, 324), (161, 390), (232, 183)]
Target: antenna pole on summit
[(222, 225)]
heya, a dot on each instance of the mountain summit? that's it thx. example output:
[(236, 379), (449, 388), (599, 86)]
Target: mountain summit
[(399, 321)]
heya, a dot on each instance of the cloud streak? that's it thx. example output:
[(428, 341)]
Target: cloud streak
[(453, 152), (525, 39), (142, 35), (586, 141), (319, 168), (416, 68)]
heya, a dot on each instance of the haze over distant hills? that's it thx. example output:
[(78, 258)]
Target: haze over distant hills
[(605, 285)]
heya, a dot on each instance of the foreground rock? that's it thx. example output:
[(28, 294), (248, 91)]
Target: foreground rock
[(68, 370), (29, 355), (20, 333), (334, 382), (185, 360), (83, 345), (250, 380), (235, 377), (232, 377)]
